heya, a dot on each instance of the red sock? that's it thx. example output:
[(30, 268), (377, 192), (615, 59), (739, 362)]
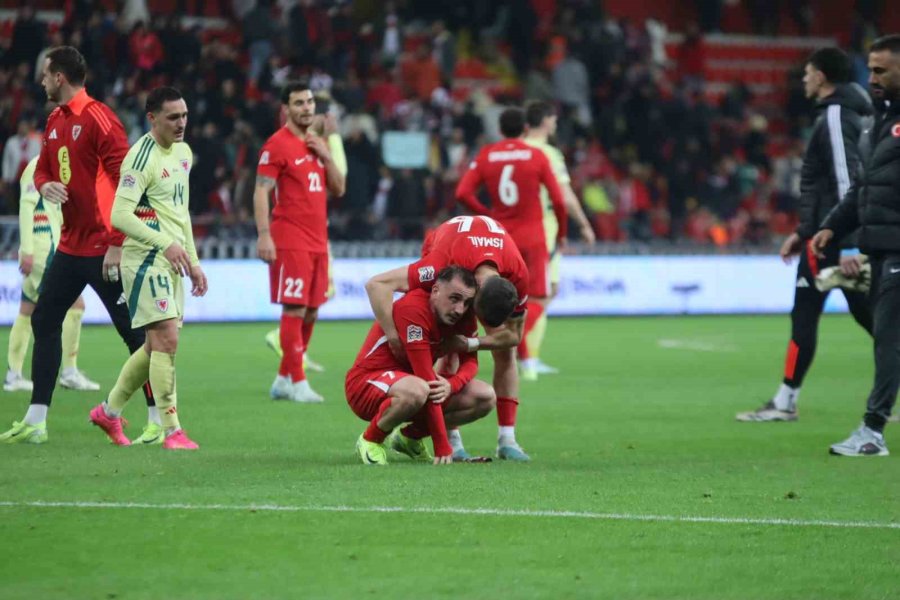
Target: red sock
[(292, 345), (373, 433), (418, 429), (307, 333), (506, 411), (535, 311)]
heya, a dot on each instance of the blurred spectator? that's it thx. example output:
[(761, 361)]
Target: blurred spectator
[(570, 80), (259, 30)]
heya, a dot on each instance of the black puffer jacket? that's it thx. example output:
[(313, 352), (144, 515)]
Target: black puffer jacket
[(832, 158), (873, 202)]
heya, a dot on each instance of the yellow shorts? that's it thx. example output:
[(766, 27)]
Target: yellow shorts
[(153, 291)]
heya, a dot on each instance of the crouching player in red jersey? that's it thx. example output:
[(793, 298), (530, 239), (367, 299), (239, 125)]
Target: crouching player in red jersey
[(387, 391), (482, 246)]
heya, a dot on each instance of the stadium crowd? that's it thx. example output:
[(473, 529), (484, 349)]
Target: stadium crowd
[(651, 155)]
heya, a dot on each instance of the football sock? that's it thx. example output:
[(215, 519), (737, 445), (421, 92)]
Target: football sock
[(507, 433), (506, 411), (36, 414), (786, 397), (307, 333), (19, 337), (162, 380), (153, 415), (372, 432), (71, 335), (535, 338), (455, 439), (534, 312), (418, 429), (292, 345), (134, 373)]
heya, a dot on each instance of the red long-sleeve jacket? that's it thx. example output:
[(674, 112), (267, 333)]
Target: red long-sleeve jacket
[(83, 147)]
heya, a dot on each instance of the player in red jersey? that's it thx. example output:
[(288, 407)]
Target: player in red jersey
[(513, 171), (83, 147), (387, 391), (482, 246), (298, 165)]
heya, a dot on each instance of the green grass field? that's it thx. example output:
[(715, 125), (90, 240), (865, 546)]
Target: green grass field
[(636, 436)]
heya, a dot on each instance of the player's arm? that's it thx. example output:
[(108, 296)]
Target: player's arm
[(466, 188), (556, 197), (112, 147), (380, 289), (265, 246), (508, 335), (573, 205), (468, 368), (199, 283), (335, 143), (27, 202)]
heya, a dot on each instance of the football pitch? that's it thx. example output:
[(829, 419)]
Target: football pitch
[(641, 485)]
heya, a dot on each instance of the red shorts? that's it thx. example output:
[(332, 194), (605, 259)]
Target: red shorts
[(298, 278), (366, 390), (537, 259)]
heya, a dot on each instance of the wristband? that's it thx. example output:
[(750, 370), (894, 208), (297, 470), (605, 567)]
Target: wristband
[(472, 344)]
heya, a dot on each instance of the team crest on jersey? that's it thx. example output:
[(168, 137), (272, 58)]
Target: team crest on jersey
[(128, 181), (162, 304), (426, 273), (414, 334), (895, 130), (185, 165), (76, 131), (264, 158), (53, 135)]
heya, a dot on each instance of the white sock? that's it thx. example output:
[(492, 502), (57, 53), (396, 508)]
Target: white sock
[(110, 412), (153, 415), (529, 363), (69, 371), (786, 397), (508, 433), (37, 413), (171, 430), (455, 439)]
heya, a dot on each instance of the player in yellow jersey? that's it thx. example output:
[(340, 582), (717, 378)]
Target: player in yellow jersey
[(151, 209), (325, 126), (541, 119), (39, 228)]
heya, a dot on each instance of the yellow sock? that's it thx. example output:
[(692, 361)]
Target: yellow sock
[(134, 373), (71, 334), (535, 337), (162, 380), (19, 337)]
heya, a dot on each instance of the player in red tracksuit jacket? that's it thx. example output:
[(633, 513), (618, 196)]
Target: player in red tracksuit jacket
[(83, 146)]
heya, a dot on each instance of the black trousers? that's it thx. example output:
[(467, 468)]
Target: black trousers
[(808, 305), (63, 282), (885, 296)]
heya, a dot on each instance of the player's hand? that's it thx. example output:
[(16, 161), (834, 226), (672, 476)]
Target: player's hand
[(26, 264), (318, 145), (199, 283), (850, 265), (820, 240), (455, 344), (790, 248), (587, 234), (330, 124), (438, 390), (55, 192), (395, 345), (265, 248), (179, 259), (111, 261), (443, 460)]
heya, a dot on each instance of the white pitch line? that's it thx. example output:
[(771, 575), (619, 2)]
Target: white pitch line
[(493, 512)]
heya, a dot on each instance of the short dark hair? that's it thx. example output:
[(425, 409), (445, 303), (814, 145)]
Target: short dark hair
[(536, 111), (68, 61), (451, 272), (512, 122), (887, 42), (299, 85), (496, 299), (833, 63), (159, 96)]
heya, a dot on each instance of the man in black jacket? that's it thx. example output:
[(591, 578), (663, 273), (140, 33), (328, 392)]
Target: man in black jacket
[(873, 206), (829, 165)]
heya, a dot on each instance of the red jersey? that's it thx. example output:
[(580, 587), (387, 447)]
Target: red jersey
[(83, 148), (421, 334), (470, 242), (299, 219), (512, 172)]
